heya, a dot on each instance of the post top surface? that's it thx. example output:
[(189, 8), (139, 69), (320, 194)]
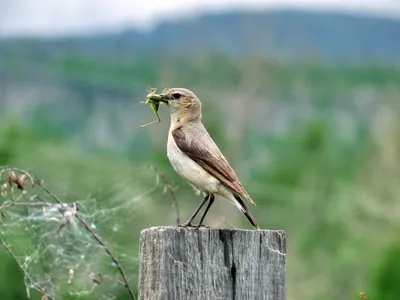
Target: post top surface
[(205, 229)]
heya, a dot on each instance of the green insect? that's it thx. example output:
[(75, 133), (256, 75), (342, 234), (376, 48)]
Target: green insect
[(155, 100)]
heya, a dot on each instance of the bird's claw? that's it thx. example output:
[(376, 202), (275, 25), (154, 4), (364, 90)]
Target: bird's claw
[(187, 224), (201, 226)]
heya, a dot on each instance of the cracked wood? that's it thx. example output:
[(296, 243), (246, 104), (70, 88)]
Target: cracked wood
[(179, 263)]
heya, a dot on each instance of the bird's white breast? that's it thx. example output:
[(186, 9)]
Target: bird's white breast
[(190, 170)]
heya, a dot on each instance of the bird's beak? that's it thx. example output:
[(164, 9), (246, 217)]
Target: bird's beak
[(157, 97), (164, 98)]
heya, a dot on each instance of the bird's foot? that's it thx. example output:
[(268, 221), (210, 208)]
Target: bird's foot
[(190, 225), (187, 224), (201, 226)]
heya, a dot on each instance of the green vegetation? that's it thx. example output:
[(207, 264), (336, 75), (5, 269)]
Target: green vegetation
[(318, 148)]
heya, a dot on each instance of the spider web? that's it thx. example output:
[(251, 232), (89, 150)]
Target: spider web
[(66, 250)]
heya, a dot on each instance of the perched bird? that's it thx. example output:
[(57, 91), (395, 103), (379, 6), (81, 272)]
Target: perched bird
[(197, 159)]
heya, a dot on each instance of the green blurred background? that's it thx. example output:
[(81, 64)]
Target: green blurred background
[(305, 106)]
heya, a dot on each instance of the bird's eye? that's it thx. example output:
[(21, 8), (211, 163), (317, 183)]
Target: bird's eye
[(176, 95)]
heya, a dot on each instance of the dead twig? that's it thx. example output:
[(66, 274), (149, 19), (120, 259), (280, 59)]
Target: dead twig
[(98, 239), (18, 178), (107, 250)]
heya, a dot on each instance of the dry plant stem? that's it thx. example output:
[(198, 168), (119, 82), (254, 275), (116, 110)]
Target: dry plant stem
[(82, 221), (26, 274), (38, 183), (168, 187), (98, 239), (125, 282), (29, 204), (113, 258)]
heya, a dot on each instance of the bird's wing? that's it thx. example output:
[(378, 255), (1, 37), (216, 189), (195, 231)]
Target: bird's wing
[(207, 154)]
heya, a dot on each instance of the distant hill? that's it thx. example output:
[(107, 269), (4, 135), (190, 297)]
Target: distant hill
[(285, 35)]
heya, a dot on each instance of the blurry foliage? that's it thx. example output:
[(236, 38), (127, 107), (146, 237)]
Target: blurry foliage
[(387, 278), (14, 140), (309, 175)]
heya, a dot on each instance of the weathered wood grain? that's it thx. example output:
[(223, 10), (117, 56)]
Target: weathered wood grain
[(179, 264)]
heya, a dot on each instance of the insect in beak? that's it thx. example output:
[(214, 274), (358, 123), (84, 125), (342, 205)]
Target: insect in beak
[(155, 100)]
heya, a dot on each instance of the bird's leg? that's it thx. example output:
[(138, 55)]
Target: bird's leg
[(210, 202), (189, 222)]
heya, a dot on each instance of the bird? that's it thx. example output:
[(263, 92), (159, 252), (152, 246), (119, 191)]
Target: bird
[(197, 159)]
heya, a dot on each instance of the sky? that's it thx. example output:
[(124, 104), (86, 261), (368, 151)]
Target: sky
[(79, 17)]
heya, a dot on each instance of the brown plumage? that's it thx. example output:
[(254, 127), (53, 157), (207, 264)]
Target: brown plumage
[(209, 158)]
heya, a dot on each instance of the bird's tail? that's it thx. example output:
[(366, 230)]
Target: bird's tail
[(243, 208)]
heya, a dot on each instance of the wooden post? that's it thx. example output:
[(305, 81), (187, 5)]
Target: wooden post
[(206, 264)]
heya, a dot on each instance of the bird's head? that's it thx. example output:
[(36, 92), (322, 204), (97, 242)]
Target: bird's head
[(183, 104)]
